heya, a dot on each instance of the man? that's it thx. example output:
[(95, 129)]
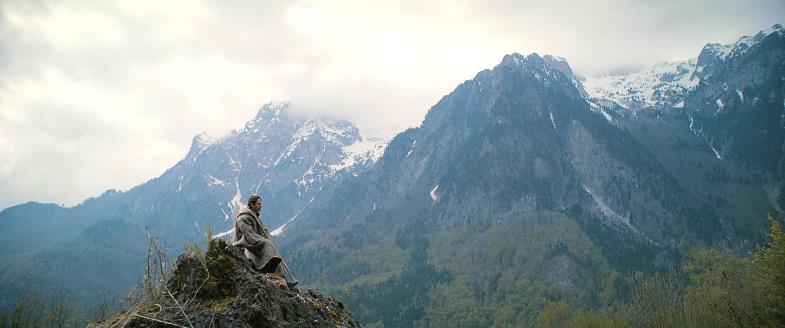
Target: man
[(251, 235)]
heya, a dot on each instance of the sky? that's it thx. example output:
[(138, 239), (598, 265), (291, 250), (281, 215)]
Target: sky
[(98, 95)]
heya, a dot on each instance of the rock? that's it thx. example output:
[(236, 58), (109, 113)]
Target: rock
[(230, 293), (276, 280)]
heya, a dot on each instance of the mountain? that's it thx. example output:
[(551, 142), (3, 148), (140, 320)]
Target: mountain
[(525, 184), (286, 158), (522, 186)]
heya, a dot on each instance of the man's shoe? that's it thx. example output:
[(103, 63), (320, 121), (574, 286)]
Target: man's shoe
[(291, 284)]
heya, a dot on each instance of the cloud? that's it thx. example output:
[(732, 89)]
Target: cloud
[(107, 94)]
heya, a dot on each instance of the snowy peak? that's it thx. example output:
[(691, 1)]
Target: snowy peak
[(340, 132), (199, 143), (722, 52), (661, 85), (202, 140), (267, 116), (546, 69), (667, 84), (271, 110), (274, 118), (324, 146), (533, 62)]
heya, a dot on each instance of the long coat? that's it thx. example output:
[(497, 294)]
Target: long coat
[(252, 236)]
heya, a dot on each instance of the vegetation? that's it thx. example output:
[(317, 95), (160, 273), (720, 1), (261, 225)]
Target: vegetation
[(541, 269), (55, 310), (550, 275), (712, 288)]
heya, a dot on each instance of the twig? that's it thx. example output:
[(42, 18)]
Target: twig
[(129, 316), (198, 289), (212, 318), (161, 321), (178, 305)]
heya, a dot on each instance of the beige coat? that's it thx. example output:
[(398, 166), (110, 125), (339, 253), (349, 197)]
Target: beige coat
[(253, 237)]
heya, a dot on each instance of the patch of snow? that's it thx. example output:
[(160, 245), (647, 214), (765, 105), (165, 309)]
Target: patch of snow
[(716, 153), (741, 95), (306, 179), (278, 231), (411, 149), (236, 203), (226, 215), (720, 106), (434, 196), (553, 122), (302, 134), (659, 85), (368, 150), (229, 234), (181, 184), (679, 104), (692, 123), (606, 115), (213, 181)]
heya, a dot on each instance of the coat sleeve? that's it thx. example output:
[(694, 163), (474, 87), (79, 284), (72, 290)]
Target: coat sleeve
[(253, 240)]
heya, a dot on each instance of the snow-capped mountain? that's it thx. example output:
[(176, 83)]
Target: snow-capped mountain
[(723, 52), (667, 84), (514, 164), (288, 159), (292, 161), (664, 84)]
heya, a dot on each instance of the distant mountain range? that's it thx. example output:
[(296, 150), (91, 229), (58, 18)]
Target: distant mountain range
[(524, 184), (287, 159)]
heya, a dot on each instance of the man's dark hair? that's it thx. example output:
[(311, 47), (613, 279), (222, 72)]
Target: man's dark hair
[(252, 200)]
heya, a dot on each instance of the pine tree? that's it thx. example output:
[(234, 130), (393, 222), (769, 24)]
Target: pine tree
[(770, 262)]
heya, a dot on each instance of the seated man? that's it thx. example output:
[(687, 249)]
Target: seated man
[(253, 237)]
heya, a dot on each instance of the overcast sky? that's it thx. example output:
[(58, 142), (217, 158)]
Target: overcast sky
[(97, 95)]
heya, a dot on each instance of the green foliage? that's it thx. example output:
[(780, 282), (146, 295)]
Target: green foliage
[(474, 275), (55, 310), (505, 274), (713, 288), (770, 262), (557, 314), (81, 268), (196, 249)]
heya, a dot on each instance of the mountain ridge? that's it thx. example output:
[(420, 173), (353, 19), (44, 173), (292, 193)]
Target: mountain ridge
[(520, 144)]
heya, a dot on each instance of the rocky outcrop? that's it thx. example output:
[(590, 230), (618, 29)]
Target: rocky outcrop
[(222, 289)]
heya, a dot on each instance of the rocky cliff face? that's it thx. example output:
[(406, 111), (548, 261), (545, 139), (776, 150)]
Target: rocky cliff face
[(226, 291)]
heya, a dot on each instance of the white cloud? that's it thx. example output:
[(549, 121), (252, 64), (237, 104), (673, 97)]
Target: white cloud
[(107, 94)]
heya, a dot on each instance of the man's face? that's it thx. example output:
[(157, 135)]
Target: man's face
[(257, 206)]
